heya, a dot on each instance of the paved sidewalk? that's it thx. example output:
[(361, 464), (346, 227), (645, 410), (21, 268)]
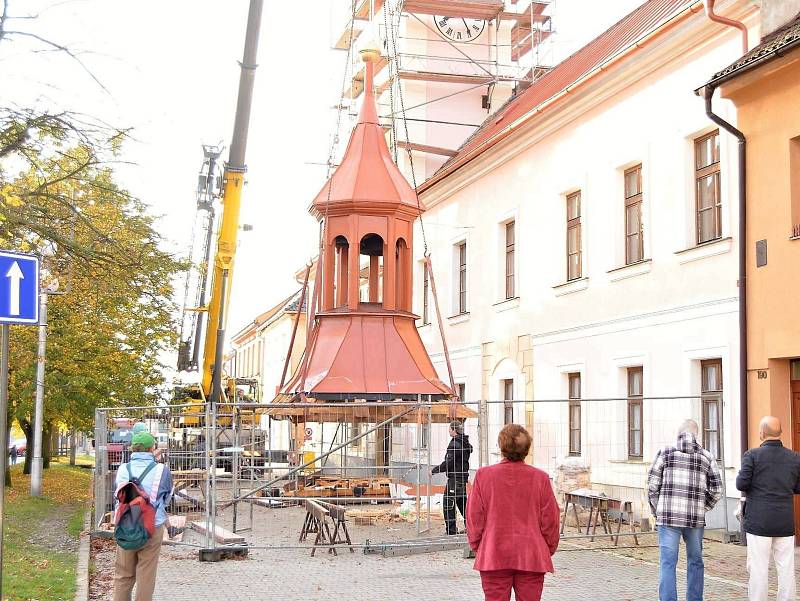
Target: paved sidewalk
[(294, 576), (584, 571)]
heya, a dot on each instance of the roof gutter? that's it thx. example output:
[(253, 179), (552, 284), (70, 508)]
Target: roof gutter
[(776, 53), (515, 125), (729, 22)]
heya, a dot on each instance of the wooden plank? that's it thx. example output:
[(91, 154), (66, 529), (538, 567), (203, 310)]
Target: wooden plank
[(195, 503), (522, 40), (343, 42), (357, 85), (225, 537), (427, 149), (337, 512), (354, 414), (315, 509), (362, 12), (473, 9), (523, 17), (445, 77)]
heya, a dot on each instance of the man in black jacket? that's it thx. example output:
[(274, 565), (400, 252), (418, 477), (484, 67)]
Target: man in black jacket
[(769, 478), (456, 466)]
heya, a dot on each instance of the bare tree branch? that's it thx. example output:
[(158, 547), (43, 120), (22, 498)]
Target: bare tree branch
[(61, 48)]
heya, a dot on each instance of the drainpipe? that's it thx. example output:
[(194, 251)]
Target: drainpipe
[(708, 93), (729, 22)]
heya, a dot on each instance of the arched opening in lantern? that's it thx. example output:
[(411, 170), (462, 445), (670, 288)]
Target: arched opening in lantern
[(371, 269), (402, 276), (341, 271)]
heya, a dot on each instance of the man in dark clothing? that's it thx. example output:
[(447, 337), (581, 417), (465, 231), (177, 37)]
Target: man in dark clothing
[(13, 454), (456, 466), (769, 478)]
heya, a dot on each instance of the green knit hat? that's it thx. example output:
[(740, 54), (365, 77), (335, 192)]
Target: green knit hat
[(143, 438)]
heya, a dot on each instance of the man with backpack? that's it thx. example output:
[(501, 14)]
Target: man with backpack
[(143, 491)]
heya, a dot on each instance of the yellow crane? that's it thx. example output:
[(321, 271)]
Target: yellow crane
[(210, 366)]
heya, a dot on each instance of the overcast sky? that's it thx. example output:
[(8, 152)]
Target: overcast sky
[(171, 73)]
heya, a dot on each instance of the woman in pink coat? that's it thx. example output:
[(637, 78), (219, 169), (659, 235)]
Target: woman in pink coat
[(512, 522)]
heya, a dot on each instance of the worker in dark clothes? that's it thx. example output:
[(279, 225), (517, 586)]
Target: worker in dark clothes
[(769, 480), (456, 466)]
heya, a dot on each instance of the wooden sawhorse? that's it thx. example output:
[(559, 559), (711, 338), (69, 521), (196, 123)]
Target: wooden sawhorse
[(599, 506), (318, 515)]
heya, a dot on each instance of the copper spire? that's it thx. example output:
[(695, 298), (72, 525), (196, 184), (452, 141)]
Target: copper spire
[(364, 342)]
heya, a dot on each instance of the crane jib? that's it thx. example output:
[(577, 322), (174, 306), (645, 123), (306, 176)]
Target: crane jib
[(229, 222)]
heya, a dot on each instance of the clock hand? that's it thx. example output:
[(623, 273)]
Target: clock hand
[(465, 24)]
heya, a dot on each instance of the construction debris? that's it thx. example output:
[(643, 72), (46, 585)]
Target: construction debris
[(571, 474), (331, 486), (222, 536)]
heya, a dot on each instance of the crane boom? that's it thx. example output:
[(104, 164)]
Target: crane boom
[(233, 178)]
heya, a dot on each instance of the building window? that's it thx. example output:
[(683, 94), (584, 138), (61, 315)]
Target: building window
[(635, 417), (634, 236), (508, 404), (574, 414), (461, 391), (426, 284), (462, 277), (574, 259), (707, 186), (711, 396), (425, 435), (355, 430), (510, 290)]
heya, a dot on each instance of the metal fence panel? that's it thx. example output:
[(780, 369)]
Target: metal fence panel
[(180, 442), (256, 469)]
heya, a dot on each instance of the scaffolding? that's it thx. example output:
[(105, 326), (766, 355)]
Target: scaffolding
[(515, 51)]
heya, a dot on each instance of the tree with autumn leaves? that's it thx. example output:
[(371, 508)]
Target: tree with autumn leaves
[(112, 314)]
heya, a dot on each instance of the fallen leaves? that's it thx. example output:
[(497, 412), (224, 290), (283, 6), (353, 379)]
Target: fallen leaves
[(62, 484)]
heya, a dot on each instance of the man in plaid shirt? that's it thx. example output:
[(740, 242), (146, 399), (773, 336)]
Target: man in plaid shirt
[(683, 484)]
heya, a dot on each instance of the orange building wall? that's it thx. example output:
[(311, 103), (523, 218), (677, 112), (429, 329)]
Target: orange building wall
[(767, 102)]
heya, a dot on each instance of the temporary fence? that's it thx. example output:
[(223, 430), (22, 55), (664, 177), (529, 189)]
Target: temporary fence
[(247, 472), (181, 437)]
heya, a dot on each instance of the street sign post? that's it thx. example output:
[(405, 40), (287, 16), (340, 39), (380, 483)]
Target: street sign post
[(19, 288), (19, 304)]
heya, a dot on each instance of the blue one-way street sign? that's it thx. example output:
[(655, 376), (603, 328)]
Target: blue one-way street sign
[(19, 288)]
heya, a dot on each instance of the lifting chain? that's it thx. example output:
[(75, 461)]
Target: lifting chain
[(392, 34)]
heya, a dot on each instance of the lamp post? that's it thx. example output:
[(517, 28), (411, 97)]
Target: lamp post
[(38, 416)]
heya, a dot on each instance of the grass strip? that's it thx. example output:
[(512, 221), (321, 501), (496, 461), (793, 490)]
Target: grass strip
[(41, 534)]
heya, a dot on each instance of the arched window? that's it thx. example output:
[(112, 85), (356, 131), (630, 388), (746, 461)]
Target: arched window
[(342, 251), (402, 275), (370, 281)]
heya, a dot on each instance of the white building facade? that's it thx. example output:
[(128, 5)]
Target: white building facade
[(585, 256)]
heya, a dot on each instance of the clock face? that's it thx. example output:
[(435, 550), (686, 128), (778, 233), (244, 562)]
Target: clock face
[(459, 29)]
